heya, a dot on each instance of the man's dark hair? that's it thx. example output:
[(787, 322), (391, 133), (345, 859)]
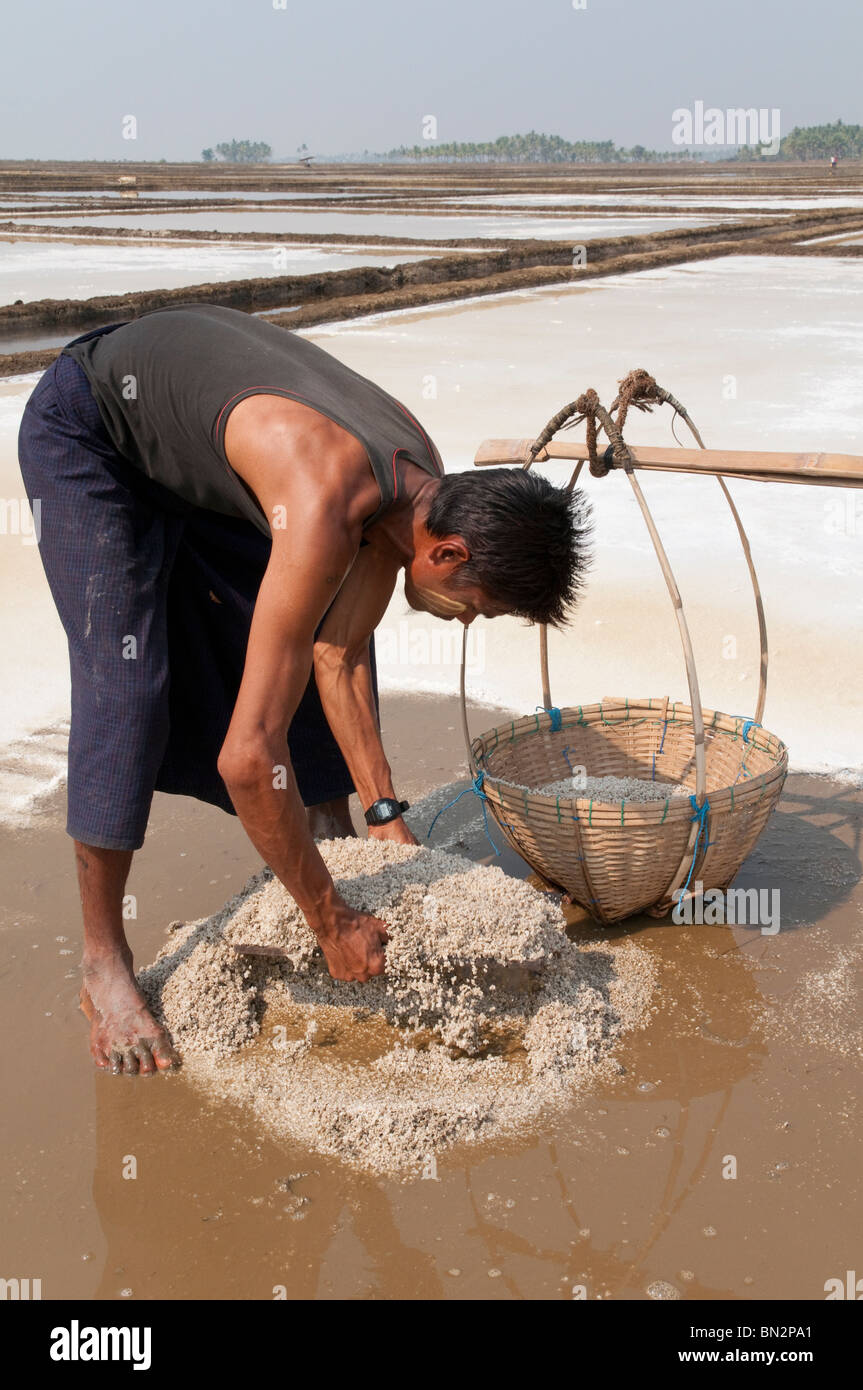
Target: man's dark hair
[(528, 540)]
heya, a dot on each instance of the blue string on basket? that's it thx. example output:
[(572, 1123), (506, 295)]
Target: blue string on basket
[(476, 788), (554, 715), (563, 754), (659, 749), (701, 816)]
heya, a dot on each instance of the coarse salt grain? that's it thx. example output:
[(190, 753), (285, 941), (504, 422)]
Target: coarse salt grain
[(448, 1058), (608, 788)]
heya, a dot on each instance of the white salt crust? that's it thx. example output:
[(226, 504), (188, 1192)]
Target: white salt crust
[(487, 1014)]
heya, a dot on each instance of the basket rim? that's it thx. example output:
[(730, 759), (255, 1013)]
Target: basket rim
[(623, 711)]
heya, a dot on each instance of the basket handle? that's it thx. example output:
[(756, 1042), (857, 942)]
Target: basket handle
[(747, 552), (623, 459), (621, 454), (471, 763), (759, 609), (686, 640)]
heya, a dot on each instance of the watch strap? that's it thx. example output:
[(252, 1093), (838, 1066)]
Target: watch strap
[(385, 809)]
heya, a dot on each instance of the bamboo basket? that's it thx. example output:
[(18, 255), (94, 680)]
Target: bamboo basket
[(619, 858)]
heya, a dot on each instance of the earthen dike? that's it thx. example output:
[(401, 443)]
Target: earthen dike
[(455, 269)]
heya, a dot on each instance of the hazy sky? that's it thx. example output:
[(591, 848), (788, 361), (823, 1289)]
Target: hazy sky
[(351, 76)]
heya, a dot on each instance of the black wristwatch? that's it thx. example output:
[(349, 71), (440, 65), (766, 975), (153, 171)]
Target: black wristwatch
[(385, 809)]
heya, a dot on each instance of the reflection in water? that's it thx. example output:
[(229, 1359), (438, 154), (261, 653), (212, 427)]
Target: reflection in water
[(625, 1189), (216, 1213)]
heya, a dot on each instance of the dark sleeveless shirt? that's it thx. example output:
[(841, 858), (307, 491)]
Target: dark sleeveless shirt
[(165, 384)]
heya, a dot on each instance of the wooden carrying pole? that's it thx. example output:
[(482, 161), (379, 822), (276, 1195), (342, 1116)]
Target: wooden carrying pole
[(827, 470)]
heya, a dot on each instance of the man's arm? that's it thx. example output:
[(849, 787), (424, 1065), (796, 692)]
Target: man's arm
[(307, 565), (344, 679)]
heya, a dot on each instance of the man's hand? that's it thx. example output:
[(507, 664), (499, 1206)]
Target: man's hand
[(353, 946), (395, 830)]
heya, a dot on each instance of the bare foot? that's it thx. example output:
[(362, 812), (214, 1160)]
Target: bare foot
[(331, 820), (123, 1033)]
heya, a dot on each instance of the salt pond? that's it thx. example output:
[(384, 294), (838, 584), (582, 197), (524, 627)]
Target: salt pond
[(764, 352), (31, 269), (379, 223)]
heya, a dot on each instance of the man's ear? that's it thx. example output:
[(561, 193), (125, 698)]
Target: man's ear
[(448, 550)]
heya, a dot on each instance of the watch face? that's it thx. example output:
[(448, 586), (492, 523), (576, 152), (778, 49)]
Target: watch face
[(385, 809)]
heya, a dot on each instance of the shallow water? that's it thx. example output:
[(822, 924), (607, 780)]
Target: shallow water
[(628, 1187), (577, 228), (125, 196), (768, 202), (32, 269)]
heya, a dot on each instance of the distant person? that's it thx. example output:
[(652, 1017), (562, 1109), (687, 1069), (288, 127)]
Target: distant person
[(834, 162), (225, 509)]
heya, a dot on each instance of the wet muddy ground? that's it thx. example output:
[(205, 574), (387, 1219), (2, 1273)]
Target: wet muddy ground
[(722, 1162)]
